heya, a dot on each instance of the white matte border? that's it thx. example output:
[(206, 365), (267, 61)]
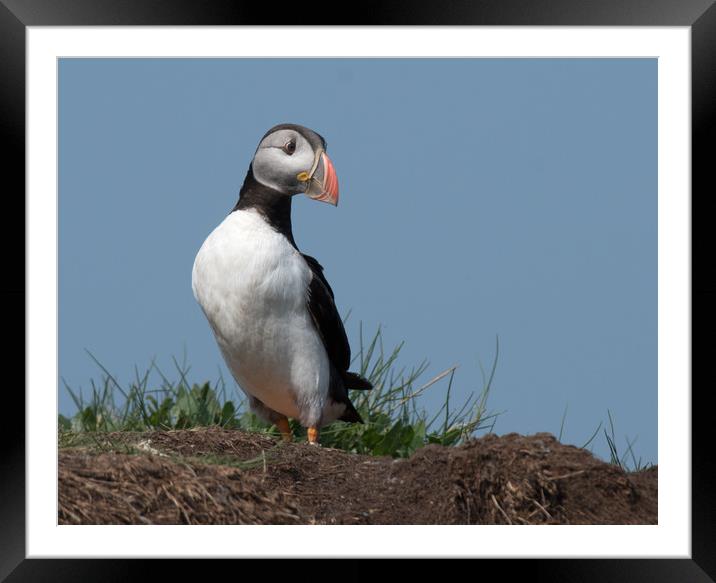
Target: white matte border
[(672, 536)]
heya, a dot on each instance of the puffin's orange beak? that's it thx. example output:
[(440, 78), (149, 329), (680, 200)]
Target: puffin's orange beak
[(323, 182)]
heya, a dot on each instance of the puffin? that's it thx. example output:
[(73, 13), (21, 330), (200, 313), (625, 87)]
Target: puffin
[(270, 307)]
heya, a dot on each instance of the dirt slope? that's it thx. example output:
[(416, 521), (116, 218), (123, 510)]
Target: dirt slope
[(214, 476)]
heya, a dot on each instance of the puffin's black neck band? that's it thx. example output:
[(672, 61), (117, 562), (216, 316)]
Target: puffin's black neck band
[(272, 204)]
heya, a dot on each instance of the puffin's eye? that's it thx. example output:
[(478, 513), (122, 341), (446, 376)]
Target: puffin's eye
[(290, 147)]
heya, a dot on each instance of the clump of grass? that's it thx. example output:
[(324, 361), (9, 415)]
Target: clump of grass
[(627, 461), (174, 404), (395, 423)]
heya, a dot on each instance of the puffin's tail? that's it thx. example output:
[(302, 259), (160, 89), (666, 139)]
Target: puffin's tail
[(351, 415), (352, 380)]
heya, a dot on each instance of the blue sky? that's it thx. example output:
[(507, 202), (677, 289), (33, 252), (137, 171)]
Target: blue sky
[(479, 198)]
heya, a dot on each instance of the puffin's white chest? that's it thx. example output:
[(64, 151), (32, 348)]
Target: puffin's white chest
[(251, 283)]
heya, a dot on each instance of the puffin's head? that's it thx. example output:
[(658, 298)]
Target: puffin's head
[(292, 159)]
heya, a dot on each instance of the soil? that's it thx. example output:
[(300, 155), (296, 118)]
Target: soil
[(215, 476)]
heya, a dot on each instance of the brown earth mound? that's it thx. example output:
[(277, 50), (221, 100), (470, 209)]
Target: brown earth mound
[(214, 476)]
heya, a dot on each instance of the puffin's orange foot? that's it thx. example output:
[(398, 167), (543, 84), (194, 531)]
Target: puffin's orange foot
[(313, 436), (285, 430)]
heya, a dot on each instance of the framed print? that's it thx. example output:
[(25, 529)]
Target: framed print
[(95, 70)]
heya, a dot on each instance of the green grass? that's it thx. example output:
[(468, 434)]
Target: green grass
[(395, 422), (627, 460)]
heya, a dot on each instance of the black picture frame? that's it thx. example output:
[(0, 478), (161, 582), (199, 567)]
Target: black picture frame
[(700, 15)]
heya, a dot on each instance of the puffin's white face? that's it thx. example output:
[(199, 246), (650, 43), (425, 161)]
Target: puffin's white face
[(286, 161)]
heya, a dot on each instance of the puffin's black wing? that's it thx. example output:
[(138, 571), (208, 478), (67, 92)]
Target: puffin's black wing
[(330, 327), (325, 315)]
